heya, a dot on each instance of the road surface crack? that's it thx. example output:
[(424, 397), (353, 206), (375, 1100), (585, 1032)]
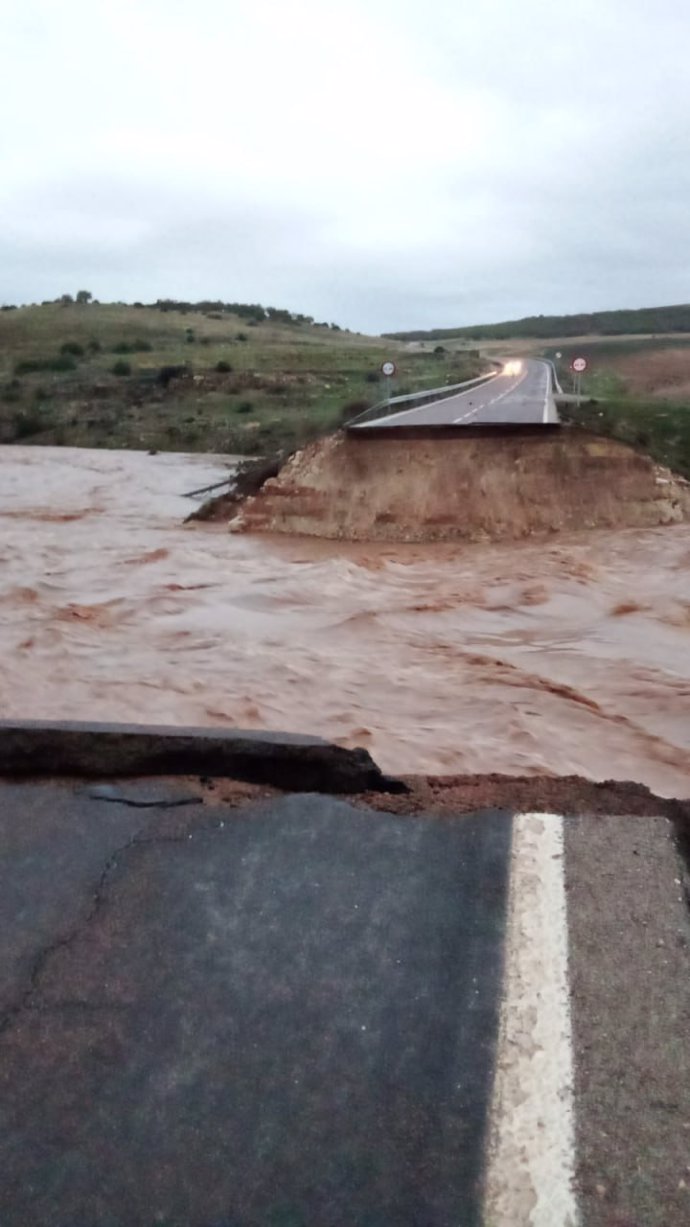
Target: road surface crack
[(23, 1000)]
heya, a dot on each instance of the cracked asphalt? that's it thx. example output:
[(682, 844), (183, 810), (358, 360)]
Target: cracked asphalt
[(223, 1006), (282, 1014)]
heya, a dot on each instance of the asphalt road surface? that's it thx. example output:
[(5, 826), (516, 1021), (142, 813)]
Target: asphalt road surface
[(300, 1011), (522, 395)]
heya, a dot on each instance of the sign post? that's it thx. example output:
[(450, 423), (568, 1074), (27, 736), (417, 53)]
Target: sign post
[(388, 371), (578, 366)]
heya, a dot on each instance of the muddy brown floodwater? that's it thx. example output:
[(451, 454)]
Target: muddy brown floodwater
[(570, 655)]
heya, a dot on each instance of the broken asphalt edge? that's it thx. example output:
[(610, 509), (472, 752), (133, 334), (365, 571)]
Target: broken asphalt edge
[(33, 748)]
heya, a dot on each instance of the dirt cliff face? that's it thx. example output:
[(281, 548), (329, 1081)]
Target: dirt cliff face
[(469, 487)]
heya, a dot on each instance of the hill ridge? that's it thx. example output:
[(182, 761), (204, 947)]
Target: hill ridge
[(605, 323)]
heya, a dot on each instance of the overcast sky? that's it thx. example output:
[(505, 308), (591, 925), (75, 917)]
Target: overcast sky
[(380, 163)]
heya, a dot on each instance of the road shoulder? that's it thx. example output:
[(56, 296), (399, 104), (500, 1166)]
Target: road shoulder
[(630, 984)]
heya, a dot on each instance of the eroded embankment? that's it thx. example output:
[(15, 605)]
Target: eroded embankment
[(475, 486)]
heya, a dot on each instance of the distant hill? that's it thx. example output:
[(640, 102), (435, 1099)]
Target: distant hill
[(603, 323)]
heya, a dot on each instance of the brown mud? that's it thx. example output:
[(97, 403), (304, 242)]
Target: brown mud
[(460, 794), (536, 659)]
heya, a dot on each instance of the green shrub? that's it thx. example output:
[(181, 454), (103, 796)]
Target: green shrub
[(72, 347), (241, 336), (28, 422), (439, 349), (62, 362), (12, 392), (167, 373), (372, 377), (94, 347), (133, 347), (121, 368), (352, 409), (223, 367), (245, 407)]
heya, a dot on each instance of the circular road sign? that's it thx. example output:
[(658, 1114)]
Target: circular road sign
[(579, 365), (388, 369)]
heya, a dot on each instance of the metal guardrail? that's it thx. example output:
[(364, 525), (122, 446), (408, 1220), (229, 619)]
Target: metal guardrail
[(386, 408), (554, 375)]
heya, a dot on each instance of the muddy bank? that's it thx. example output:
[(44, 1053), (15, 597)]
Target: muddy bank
[(460, 794), (526, 658), (474, 487)]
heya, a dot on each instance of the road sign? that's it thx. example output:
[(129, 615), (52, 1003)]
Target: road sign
[(388, 369), (578, 365)]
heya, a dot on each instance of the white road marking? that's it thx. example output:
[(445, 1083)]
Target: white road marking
[(471, 413), (486, 405), (546, 403), (420, 408), (531, 1157)]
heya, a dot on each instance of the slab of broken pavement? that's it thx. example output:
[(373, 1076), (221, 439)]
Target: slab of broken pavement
[(248, 979)]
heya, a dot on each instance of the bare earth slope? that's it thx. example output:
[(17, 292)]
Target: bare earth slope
[(473, 487)]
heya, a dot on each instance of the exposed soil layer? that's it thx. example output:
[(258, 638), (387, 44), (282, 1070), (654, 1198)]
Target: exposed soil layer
[(571, 794), (447, 794), (475, 486)]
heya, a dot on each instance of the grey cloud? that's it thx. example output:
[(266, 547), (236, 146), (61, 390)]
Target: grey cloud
[(498, 162)]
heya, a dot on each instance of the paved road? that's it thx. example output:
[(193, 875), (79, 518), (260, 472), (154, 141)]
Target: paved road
[(520, 396), (287, 1013), (283, 1016)]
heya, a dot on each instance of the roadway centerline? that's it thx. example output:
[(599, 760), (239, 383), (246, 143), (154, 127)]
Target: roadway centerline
[(524, 397), (487, 404), (531, 1159), (420, 408)]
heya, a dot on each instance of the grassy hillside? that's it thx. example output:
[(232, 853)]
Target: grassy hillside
[(102, 375), (661, 430), (605, 323), (637, 391)]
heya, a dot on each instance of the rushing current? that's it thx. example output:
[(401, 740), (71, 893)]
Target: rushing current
[(557, 657)]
